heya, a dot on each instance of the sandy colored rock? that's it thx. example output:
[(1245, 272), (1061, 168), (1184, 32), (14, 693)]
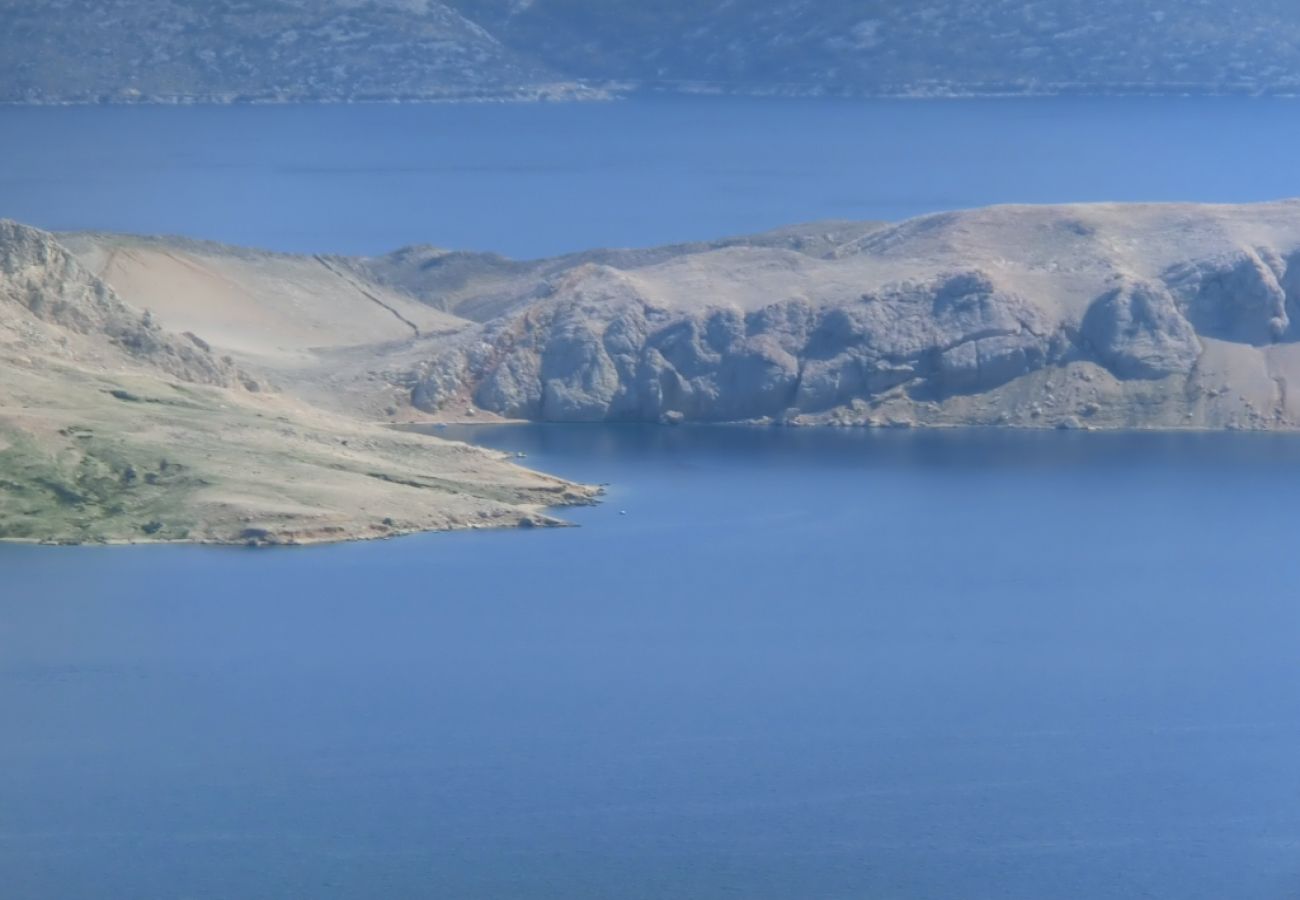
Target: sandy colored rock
[(956, 318), (115, 429)]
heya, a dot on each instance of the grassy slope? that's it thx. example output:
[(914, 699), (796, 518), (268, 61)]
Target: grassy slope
[(112, 458)]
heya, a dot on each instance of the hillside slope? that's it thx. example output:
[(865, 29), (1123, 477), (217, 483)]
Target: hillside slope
[(887, 47), (284, 51), (113, 428), (58, 51)]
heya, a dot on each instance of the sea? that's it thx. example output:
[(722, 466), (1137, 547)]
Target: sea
[(772, 664)]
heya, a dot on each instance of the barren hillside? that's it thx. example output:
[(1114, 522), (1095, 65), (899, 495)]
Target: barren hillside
[(115, 428)]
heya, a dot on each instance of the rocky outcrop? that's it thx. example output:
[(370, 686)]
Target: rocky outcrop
[(911, 319), (602, 351), (1137, 330), (1238, 297), (39, 277)]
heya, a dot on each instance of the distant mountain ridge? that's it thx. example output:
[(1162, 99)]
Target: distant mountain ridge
[(222, 51), (887, 47), (62, 51)]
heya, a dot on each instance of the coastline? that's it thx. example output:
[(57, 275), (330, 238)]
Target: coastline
[(533, 516), (206, 403), (526, 516), (626, 91)]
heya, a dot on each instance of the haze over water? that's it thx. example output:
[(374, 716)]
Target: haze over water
[(815, 664)]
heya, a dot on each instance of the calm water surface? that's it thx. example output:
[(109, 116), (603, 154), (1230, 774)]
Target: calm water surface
[(802, 664), (542, 179)]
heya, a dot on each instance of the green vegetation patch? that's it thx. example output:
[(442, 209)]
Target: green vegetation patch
[(91, 489)]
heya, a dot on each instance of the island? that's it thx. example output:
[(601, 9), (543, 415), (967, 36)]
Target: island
[(167, 389)]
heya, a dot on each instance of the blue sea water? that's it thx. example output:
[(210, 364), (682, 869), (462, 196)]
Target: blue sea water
[(534, 180), (773, 664)]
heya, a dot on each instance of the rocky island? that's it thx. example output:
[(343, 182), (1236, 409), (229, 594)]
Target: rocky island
[(1102, 316), (170, 389)]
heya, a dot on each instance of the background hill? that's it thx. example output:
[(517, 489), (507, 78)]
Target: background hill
[(884, 46), (269, 50), (335, 50)]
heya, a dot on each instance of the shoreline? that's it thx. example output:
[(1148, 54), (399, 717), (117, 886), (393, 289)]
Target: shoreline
[(617, 94), (919, 427), (321, 423), (535, 516)]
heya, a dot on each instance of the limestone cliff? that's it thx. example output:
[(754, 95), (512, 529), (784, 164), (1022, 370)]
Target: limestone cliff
[(50, 303), (1148, 316), (1102, 316)]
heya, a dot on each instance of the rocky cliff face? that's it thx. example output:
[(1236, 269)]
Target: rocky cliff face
[(41, 283), (1029, 316), (604, 350), (1106, 316)]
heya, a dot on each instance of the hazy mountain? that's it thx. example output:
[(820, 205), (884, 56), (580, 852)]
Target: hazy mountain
[(228, 50), (332, 50), (886, 46)]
